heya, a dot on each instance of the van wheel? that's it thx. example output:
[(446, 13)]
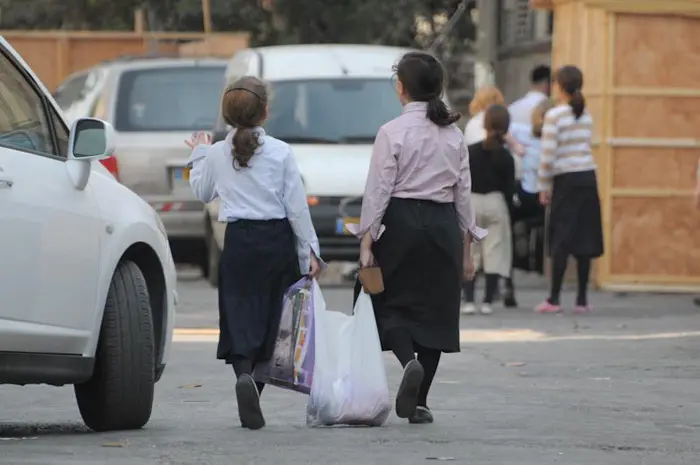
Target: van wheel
[(213, 258), (119, 396)]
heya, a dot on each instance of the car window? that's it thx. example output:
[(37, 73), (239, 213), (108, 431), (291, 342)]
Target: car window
[(343, 110), (70, 91), (61, 133), (182, 98), (23, 123)]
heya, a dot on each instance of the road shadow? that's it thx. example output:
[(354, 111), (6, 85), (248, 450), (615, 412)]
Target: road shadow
[(20, 431)]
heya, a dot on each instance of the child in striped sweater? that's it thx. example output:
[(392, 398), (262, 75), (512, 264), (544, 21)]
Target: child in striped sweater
[(568, 185)]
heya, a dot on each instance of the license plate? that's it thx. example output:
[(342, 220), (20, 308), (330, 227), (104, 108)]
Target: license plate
[(340, 224), (181, 174)]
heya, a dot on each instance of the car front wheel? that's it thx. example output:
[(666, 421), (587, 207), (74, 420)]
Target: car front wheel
[(119, 395)]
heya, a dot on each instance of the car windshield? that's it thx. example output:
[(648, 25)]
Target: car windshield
[(329, 111), (169, 98), (349, 110)]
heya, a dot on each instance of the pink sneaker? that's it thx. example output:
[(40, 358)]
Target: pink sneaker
[(546, 307), (582, 309)]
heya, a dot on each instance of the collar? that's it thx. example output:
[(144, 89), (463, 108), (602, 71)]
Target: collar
[(537, 94), (415, 106)]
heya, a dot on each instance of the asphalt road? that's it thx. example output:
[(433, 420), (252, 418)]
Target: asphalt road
[(617, 387)]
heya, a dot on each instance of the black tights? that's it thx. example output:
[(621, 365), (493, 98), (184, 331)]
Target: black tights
[(244, 366), (491, 288), (401, 343), (583, 268)]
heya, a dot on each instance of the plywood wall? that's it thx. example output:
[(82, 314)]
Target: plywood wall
[(655, 234), (55, 55), (642, 87)]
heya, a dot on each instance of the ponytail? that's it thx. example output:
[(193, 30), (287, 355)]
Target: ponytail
[(495, 140), (577, 103), (439, 114), (245, 142)]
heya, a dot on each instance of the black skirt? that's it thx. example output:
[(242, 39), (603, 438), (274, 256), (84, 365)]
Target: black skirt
[(259, 262), (575, 221), (420, 255)]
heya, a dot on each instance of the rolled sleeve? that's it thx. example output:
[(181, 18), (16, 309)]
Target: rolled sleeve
[(297, 210), (381, 178), (463, 200)]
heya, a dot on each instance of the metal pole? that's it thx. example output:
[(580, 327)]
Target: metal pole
[(486, 43), (206, 15)]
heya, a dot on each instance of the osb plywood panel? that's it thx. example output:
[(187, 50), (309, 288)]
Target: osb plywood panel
[(594, 63), (656, 117), (655, 236), (595, 108), (657, 51), (567, 37), (654, 168)]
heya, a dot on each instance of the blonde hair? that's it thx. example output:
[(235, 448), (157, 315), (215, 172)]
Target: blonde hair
[(484, 98), (538, 114)]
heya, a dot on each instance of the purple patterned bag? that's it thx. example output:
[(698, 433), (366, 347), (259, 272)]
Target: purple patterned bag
[(292, 363)]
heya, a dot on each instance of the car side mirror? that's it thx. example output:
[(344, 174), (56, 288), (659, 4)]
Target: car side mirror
[(91, 139)]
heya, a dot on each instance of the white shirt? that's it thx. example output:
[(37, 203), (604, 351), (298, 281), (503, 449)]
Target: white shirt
[(474, 130), (531, 160), (270, 188), (521, 109)]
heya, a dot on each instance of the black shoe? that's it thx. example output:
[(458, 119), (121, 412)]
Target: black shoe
[(422, 416), (407, 395), (696, 301), (509, 300), (248, 399)]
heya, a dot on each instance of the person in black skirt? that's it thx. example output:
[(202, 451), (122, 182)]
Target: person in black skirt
[(493, 180), (270, 240), (568, 185), (419, 189)]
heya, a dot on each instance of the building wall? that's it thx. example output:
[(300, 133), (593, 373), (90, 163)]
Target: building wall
[(513, 70), (524, 41)]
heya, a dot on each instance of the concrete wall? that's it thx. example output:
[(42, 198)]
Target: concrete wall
[(513, 68)]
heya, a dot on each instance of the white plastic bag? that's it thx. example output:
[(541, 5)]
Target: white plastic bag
[(349, 384)]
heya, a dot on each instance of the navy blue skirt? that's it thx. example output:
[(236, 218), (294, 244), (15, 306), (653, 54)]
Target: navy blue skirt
[(259, 262)]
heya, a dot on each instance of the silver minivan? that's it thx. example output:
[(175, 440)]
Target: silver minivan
[(154, 105)]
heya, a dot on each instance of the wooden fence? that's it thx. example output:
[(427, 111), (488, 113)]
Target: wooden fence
[(54, 55)]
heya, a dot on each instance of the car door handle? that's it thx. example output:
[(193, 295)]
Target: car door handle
[(5, 182)]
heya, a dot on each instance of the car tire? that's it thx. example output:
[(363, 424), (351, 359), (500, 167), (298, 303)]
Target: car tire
[(119, 396), (213, 259)]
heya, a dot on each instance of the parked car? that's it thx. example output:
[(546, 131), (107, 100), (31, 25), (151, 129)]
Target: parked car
[(87, 282), (328, 101), (154, 104)]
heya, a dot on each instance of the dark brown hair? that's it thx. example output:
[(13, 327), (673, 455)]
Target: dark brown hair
[(496, 124), (244, 107), (423, 79), (570, 79)]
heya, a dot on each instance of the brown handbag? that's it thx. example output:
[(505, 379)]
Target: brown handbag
[(371, 279)]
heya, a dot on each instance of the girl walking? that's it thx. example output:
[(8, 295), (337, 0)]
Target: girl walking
[(419, 188), (270, 240), (568, 185), (493, 184)]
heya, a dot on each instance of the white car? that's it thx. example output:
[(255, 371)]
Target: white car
[(327, 101), (87, 280)]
